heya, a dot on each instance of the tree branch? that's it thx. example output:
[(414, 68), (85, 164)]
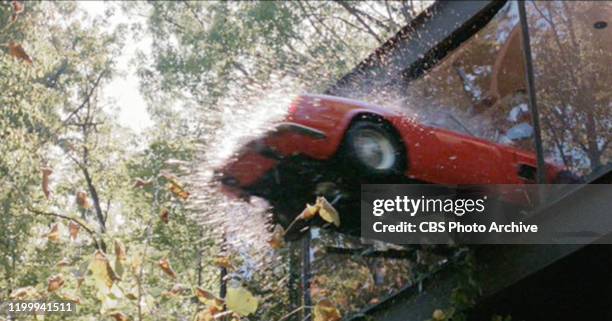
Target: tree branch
[(92, 234), (353, 12)]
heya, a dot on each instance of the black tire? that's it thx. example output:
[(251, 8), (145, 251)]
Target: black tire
[(352, 158)]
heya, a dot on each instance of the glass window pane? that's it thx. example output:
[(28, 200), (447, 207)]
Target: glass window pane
[(572, 49)]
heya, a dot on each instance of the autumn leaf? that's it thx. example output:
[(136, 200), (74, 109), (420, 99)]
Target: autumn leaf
[(54, 235), (178, 190), (176, 289), (23, 293), (63, 262), (141, 183), (164, 215), (18, 52), (119, 316), (164, 264), (46, 173), (327, 212), (18, 8), (204, 315), (241, 301), (82, 200), (73, 228), (325, 310), (175, 187), (55, 282), (120, 252), (438, 315), (223, 261), (277, 240), (309, 212), (70, 297), (102, 272), (208, 298)]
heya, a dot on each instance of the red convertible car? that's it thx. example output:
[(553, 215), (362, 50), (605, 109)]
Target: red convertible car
[(375, 141)]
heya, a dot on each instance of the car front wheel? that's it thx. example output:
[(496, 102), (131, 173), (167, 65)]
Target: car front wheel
[(372, 148)]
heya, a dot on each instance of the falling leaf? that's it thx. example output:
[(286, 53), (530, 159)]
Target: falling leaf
[(241, 301), (164, 264), (135, 263), (439, 315), (63, 262), (327, 212), (204, 315), (18, 52), (277, 240), (54, 235), (46, 173), (374, 301), (70, 297), (120, 252), (141, 183), (55, 282), (325, 310), (22, 293), (224, 262), (178, 190), (208, 298), (73, 228), (164, 215), (18, 6), (82, 200), (309, 212), (176, 289), (119, 316), (175, 187), (102, 272)]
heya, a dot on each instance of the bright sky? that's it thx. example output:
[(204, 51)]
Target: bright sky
[(123, 89)]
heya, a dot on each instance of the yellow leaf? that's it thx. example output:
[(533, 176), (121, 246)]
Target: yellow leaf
[(223, 261), (175, 187), (164, 264), (327, 212), (82, 200), (120, 252), (102, 272), (27, 292), (325, 310), (73, 228), (204, 315), (55, 282), (241, 301), (178, 190), (54, 235), (439, 315), (46, 172), (208, 298), (310, 212)]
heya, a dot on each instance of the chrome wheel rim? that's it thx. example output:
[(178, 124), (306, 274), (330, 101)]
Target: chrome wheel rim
[(374, 149)]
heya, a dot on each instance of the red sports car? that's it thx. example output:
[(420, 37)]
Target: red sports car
[(367, 143)]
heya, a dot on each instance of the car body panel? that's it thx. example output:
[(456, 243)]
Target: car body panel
[(316, 125)]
